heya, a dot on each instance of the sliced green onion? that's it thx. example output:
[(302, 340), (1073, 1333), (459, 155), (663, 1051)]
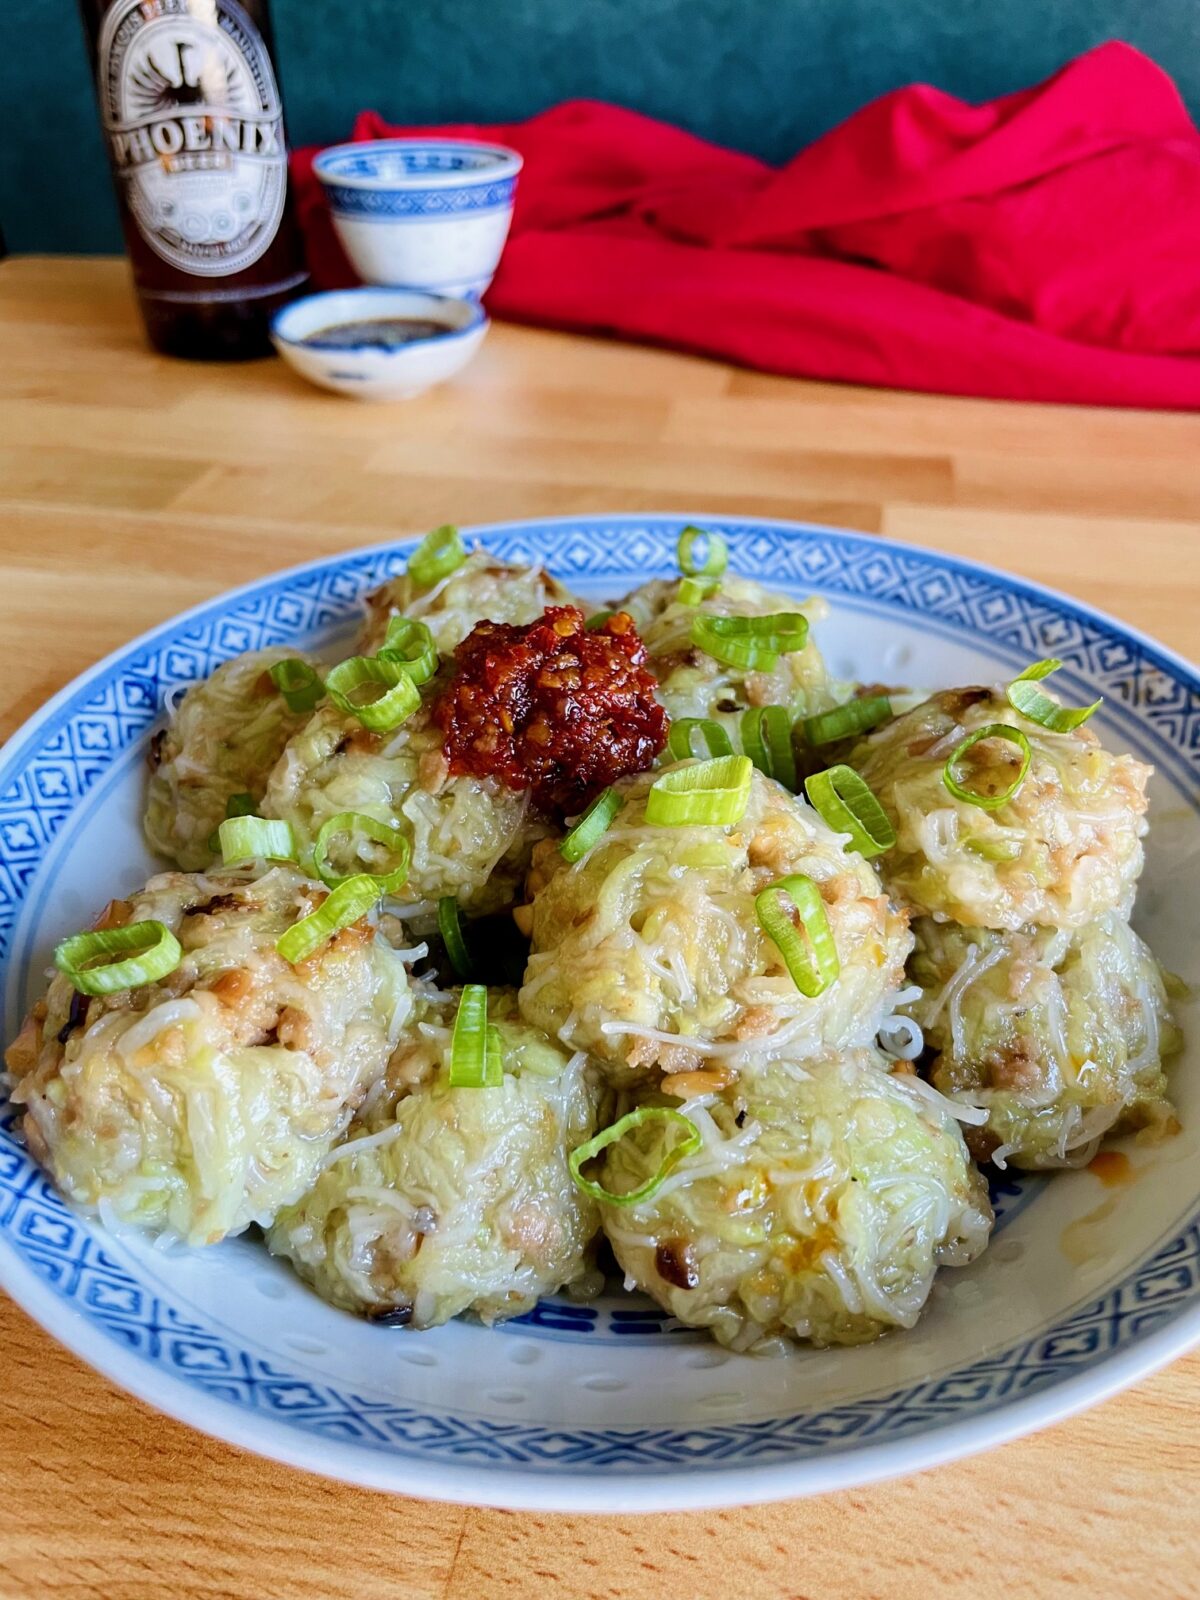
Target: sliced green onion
[(692, 591), (1024, 696), (702, 554), (437, 556), (766, 735), (713, 737), (597, 620), (450, 927), (592, 825), (150, 951), (685, 1146), (354, 824), (755, 643), (812, 960), (388, 710), (856, 716), (476, 1052), (992, 730), (238, 805), (710, 793), (352, 899), (255, 839), (298, 683), (848, 805), (410, 644)]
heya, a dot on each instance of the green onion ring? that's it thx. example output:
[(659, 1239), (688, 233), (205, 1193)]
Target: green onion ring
[(715, 740), (298, 683), (238, 805), (686, 1146), (693, 591), (856, 716), (597, 620), (591, 826), (1024, 696), (449, 922), (354, 822), (410, 644), (848, 805), (352, 899), (812, 962), (393, 707), (716, 553), (476, 1052), (438, 555), (255, 839), (150, 952), (754, 643), (709, 793), (766, 735), (992, 730)]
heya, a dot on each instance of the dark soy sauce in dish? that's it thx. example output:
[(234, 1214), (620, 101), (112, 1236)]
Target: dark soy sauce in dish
[(380, 333)]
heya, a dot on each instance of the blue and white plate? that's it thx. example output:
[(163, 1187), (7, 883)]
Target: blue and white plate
[(613, 1407)]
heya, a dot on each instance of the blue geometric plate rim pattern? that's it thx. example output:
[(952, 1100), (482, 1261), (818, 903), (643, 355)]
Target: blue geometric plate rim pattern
[(55, 1264)]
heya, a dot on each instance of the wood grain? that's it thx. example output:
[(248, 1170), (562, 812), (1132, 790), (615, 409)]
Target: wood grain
[(131, 487)]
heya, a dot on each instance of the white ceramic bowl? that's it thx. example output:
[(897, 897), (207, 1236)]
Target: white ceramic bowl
[(369, 371), (421, 213)]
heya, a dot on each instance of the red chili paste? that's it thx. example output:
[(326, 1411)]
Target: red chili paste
[(551, 707)]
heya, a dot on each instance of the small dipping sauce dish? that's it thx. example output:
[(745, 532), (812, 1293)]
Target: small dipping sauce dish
[(378, 344)]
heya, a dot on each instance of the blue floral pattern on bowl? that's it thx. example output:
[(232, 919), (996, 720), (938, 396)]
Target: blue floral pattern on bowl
[(398, 160), (368, 204)]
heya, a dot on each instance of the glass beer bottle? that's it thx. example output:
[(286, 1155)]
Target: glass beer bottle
[(192, 118)]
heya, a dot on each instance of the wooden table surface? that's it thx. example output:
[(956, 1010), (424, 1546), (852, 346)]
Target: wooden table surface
[(132, 486)]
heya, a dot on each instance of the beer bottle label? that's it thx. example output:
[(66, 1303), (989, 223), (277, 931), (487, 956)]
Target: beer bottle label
[(194, 125)]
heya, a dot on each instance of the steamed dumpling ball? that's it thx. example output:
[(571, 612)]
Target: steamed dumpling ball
[(819, 1205), (223, 739), (693, 683), (202, 1102), (1065, 849), (470, 837), (482, 588), (445, 1200), (648, 951), (1061, 1035)]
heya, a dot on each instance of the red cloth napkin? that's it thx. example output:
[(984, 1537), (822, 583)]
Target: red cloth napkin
[(1044, 246)]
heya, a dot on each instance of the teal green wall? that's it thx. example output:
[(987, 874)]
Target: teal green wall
[(763, 75)]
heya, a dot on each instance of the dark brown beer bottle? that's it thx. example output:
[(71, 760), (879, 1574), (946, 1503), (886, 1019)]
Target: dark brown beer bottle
[(191, 114)]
